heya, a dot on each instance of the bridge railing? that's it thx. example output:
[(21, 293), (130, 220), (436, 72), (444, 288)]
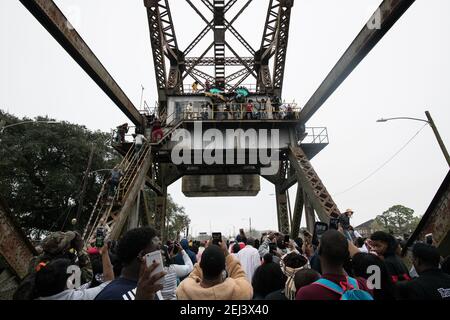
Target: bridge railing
[(234, 111), (315, 135)]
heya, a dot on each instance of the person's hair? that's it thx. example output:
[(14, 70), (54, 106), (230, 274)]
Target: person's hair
[(305, 277), (257, 243), (294, 260), (250, 241), (268, 278), (52, 278), (427, 254), (133, 242), (212, 262), (333, 248), (359, 242), (386, 238), (360, 264), (268, 258), (236, 248), (445, 265)]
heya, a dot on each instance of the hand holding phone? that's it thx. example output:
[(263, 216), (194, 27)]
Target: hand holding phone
[(155, 258)]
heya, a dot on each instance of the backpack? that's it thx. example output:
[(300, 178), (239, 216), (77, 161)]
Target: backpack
[(351, 292)]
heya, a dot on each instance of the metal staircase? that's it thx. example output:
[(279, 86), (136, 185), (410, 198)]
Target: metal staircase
[(113, 213)]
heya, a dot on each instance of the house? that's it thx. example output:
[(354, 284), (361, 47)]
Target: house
[(366, 228)]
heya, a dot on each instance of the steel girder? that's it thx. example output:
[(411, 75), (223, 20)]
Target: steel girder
[(320, 199), (281, 198), (52, 19), (389, 12), (164, 44), (274, 43), (229, 61), (15, 247)]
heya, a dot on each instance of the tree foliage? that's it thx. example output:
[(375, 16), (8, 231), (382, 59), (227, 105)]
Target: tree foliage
[(398, 220), (42, 168)]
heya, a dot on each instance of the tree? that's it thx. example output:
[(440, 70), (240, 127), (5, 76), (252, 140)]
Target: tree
[(42, 168), (398, 220)]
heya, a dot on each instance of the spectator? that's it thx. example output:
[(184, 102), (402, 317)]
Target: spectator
[(157, 131), (267, 278), (114, 180), (334, 253), (291, 263), (249, 110), (432, 283), (360, 267), (344, 221), (385, 246), (257, 244), (133, 246), (174, 272), (64, 245), (195, 87), (52, 280), (249, 258), (121, 131), (179, 257), (138, 142), (302, 278), (235, 249), (208, 282)]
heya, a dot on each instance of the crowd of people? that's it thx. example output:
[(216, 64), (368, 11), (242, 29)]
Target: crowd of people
[(241, 268)]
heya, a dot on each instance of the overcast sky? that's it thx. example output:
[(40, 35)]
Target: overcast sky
[(407, 73)]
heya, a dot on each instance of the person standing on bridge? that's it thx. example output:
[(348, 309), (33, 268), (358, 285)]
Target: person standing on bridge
[(344, 221)]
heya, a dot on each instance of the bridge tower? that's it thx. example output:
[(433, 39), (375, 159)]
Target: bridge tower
[(221, 105)]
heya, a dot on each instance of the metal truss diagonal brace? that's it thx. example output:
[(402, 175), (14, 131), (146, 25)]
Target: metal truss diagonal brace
[(51, 17), (308, 179)]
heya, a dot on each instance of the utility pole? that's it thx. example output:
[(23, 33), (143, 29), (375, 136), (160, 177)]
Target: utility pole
[(438, 137), (83, 189)]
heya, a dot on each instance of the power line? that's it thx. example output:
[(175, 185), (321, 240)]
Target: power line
[(383, 165)]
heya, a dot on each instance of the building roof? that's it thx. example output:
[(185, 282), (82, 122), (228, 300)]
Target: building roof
[(366, 224)]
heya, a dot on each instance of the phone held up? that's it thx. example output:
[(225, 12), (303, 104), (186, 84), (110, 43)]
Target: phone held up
[(217, 238), (100, 238), (319, 229)]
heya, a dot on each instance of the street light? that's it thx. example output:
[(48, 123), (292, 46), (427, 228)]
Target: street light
[(432, 125), (3, 127)]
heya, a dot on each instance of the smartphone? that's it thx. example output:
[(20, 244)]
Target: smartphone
[(100, 238), (272, 247), (319, 229), (217, 238), (153, 257), (334, 223), (286, 238)]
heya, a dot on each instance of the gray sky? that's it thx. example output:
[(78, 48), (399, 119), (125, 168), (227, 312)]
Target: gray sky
[(407, 73)]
